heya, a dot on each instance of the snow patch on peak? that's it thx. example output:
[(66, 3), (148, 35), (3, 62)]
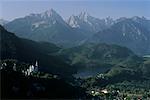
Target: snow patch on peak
[(50, 13), (37, 24), (139, 32), (135, 18), (123, 30), (109, 21), (73, 22), (84, 16)]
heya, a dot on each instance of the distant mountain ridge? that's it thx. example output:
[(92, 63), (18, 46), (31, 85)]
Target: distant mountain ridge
[(47, 26), (89, 24), (133, 33), (79, 29)]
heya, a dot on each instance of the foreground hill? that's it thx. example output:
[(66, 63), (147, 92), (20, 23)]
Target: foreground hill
[(30, 51), (15, 85), (99, 58)]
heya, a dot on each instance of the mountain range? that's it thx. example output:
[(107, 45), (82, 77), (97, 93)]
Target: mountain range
[(49, 26), (88, 24), (133, 33), (85, 60)]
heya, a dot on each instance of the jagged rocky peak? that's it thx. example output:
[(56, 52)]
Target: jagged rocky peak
[(135, 18), (46, 15), (84, 16), (72, 18), (120, 19), (88, 23), (47, 18), (109, 21), (73, 21), (138, 19), (50, 13)]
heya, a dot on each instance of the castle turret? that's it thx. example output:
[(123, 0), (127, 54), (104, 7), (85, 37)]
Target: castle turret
[(14, 67), (36, 66)]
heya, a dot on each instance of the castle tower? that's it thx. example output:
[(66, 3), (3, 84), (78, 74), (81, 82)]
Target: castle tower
[(14, 67), (36, 66), (36, 63)]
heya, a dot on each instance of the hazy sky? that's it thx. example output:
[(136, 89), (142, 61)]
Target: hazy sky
[(11, 9)]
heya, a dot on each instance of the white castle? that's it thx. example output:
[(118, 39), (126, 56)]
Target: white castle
[(32, 69)]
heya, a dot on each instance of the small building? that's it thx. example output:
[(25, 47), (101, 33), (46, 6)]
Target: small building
[(105, 91), (92, 92)]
